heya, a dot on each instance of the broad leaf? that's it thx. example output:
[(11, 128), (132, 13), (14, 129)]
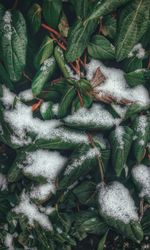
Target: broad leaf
[(101, 244), (5, 78), (51, 11), (141, 127), (102, 8), (78, 39), (82, 161), (137, 77), (14, 43), (100, 48), (45, 51), (61, 61), (81, 7), (43, 75), (95, 118), (34, 17), (132, 27), (120, 140), (66, 102)]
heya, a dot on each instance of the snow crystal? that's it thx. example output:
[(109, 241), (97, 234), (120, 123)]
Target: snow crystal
[(96, 115), (43, 191), (3, 182), (119, 133), (46, 65), (9, 241), (8, 97), (78, 162), (21, 120), (137, 51), (8, 29), (26, 95), (44, 163), (116, 85), (141, 174), (115, 201), (31, 211)]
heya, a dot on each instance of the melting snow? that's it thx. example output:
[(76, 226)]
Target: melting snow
[(141, 174), (115, 201), (116, 85)]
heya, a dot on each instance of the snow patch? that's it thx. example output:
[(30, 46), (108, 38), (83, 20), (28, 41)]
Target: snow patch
[(116, 85), (141, 174), (115, 201), (31, 211), (44, 163), (137, 51), (97, 115)]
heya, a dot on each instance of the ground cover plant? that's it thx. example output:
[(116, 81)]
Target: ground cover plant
[(75, 124)]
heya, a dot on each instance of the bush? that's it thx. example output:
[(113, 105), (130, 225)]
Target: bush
[(75, 123)]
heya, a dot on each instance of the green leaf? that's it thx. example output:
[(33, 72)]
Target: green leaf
[(45, 51), (43, 75), (34, 17), (51, 11), (61, 61), (63, 139), (131, 64), (141, 127), (5, 78), (85, 193), (95, 118), (48, 111), (82, 160), (140, 76), (78, 39), (120, 140), (66, 102), (100, 48), (135, 109), (101, 244), (14, 44), (102, 8), (109, 26), (81, 7), (134, 21), (89, 222)]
